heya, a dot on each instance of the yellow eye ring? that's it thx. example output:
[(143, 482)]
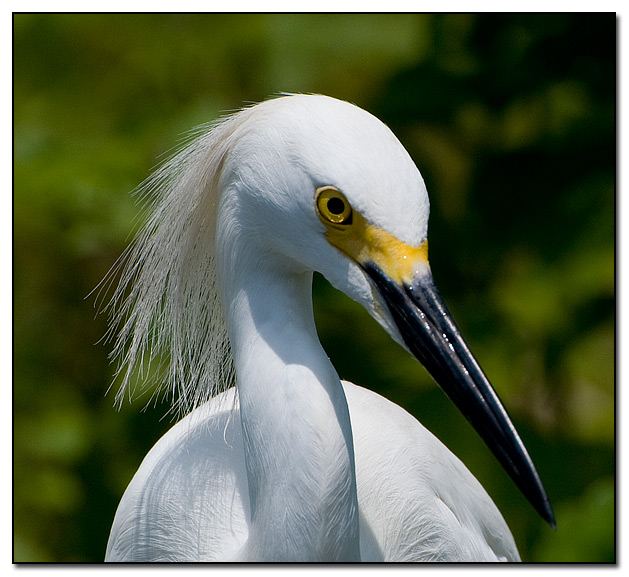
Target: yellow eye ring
[(333, 206)]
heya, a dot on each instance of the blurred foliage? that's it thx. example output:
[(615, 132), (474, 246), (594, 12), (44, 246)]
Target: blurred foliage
[(509, 117)]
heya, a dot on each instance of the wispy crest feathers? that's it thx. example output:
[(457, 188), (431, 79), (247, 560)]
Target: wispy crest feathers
[(165, 310)]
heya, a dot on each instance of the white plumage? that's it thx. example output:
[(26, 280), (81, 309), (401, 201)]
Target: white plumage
[(293, 464), (417, 501)]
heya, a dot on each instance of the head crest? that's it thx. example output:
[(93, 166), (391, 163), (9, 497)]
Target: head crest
[(165, 313)]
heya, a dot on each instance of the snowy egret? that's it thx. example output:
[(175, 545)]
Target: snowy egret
[(293, 464)]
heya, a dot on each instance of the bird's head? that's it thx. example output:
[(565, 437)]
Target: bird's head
[(328, 186)]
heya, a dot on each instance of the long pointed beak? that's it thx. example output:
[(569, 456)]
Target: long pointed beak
[(432, 337)]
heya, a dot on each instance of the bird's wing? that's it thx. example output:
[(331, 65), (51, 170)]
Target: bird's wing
[(189, 499), (418, 502)]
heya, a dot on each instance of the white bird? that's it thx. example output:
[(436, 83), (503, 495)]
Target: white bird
[(294, 464)]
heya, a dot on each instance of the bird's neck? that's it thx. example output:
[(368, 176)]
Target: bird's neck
[(296, 427)]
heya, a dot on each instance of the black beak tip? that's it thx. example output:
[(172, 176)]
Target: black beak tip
[(552, 522), (548, 514)]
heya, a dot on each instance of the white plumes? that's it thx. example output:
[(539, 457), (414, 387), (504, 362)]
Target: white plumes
[(166, 305)]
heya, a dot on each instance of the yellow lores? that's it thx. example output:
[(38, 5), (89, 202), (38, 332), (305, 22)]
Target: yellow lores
[(348, 231)]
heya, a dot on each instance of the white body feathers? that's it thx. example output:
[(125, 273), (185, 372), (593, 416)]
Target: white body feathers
[(417, 502)]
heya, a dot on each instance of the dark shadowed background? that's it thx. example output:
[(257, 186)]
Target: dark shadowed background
[(511, 120)]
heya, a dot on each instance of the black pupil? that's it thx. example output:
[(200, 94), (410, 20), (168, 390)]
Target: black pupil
[(336, 206)]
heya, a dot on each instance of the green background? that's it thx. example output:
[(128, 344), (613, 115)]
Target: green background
[(510, 118)]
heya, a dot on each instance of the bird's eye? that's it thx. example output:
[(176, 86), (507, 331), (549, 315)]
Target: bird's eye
[(333, 206)]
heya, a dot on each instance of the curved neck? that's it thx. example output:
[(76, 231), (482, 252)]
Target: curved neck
[(296, 428)]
